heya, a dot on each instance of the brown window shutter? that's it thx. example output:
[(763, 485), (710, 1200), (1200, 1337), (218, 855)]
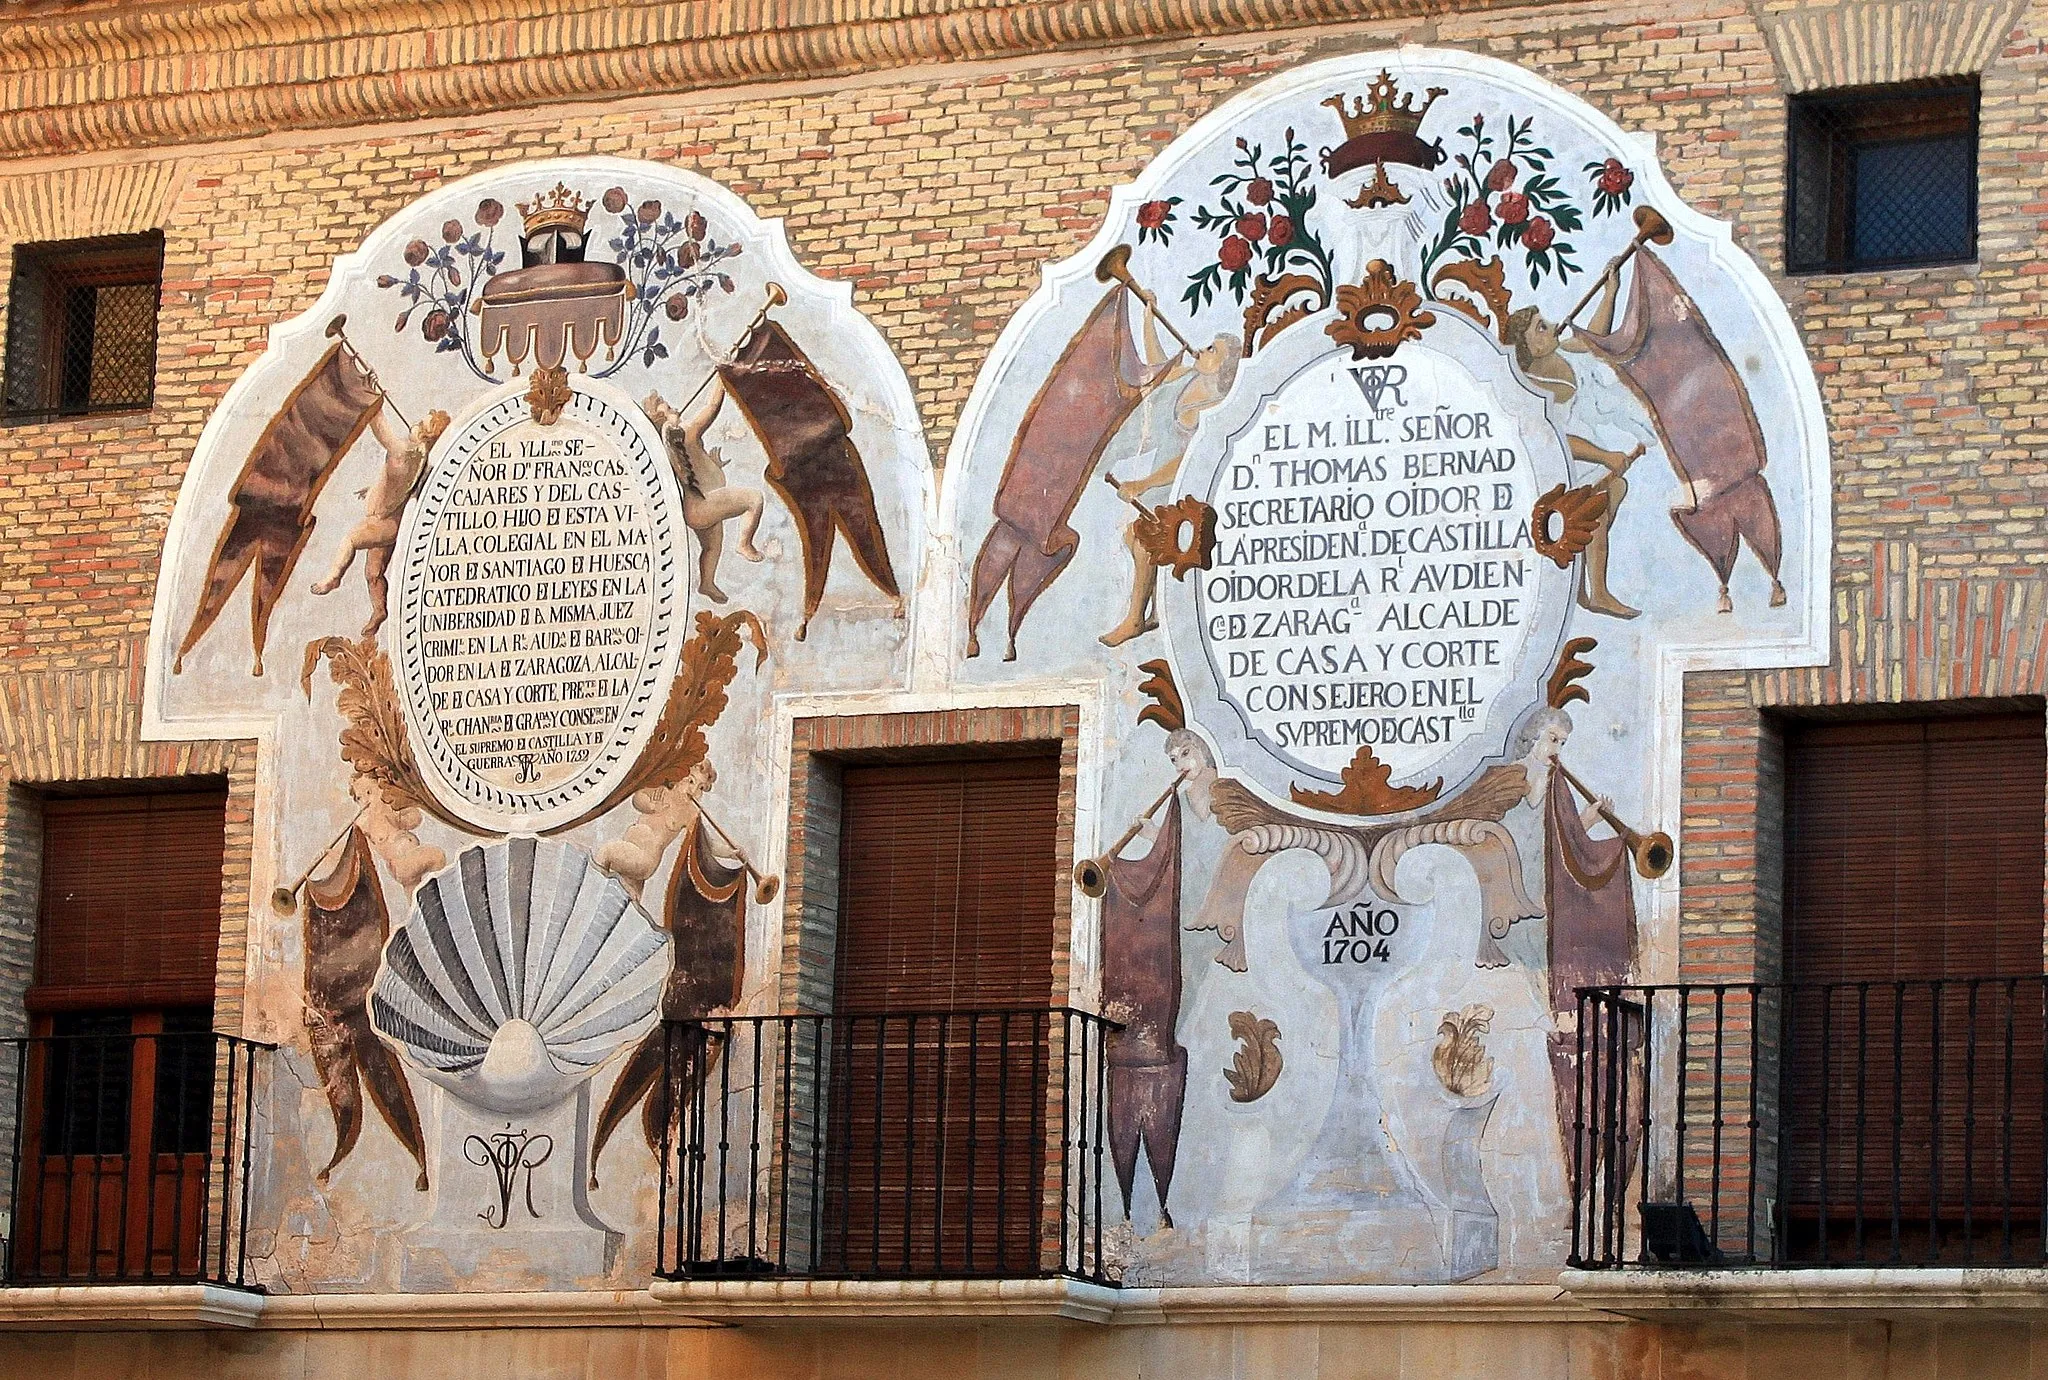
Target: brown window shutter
[(947, 872), (1914, 848), (1914, 855), (131, 897), (936, 1125)]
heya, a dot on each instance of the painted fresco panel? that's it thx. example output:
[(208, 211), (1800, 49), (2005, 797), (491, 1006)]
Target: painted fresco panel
[(504, 550), (1412, 438)]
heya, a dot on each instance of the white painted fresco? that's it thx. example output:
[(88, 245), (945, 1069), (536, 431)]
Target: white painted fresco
[(1312, 301), (567, 695)]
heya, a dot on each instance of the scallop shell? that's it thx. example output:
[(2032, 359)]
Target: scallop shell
[(519, 970)]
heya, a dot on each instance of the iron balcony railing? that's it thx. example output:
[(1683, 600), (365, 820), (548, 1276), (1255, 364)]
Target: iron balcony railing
[(128, 1158), (1811, 1124), (965, 1144)]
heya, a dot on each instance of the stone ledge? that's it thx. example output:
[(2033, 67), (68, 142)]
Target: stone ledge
[(823, 1300), (1797, 1295), (797, 1302), (464, 1312), (127, 1308)]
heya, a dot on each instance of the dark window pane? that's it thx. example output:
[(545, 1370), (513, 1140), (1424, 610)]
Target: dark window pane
[(1913, 200), (1882, 177), (184, 1082), (81, 328), (85, 1104)]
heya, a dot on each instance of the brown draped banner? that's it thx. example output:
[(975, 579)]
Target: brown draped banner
[(1092, 390), (1141, 986), (345, 929), (271, 506), (1670, 359), (812, 461)]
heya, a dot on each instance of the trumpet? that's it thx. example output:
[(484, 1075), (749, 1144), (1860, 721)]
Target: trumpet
[(1651, 853), (1115, 267), (1091, 875), (1651, 228), (285, 899), (765, 888), (777, 295)]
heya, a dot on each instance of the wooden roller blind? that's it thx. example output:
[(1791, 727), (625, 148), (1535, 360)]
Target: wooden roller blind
[(935, 1150), (130, 906), (1914, 848), (946, 881), (1914, 853)]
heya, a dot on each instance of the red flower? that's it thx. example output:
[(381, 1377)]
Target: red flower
[(1475, 219), (1258, 191), (1252, 227), (416, 252), (435, 325), (489, 212), (451, 230), (1281, 232), (615, 199), (1234, 253), (677, 308), (1513, 209), (1501, 175), (693, 226), (686, 253), (649, 212), (1615, 179), (1152, 214), (1539, 234)]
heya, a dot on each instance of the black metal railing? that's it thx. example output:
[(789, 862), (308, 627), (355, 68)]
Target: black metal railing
[(1811, 1124), (966, 1144), (128, 1157)]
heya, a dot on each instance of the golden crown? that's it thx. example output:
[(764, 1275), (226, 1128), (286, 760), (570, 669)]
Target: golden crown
[(560, 209), (1377, 112)]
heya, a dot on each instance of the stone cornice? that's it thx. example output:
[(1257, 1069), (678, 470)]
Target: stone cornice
[(77, 79)]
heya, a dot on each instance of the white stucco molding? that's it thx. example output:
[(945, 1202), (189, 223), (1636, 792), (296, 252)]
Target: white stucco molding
[(127, 1308), (1765, 1295)]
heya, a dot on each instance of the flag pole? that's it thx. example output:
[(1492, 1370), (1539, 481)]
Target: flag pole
[(337, 329), (776, 297)]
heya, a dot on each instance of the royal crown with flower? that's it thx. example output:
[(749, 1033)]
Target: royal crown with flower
[(1384, 114)]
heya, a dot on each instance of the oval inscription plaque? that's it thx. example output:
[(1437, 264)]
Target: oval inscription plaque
[(1375, 585), (538, 604)]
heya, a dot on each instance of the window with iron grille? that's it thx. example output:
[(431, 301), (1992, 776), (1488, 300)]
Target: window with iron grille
[(1883, 177), (81, 327)]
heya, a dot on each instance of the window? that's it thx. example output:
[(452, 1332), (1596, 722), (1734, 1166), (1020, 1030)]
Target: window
[(81, 328), (1912, 1028), (1884, 177), (946, 881), (115, 1128)]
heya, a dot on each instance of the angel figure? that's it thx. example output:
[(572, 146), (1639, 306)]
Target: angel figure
[(405, 456), (708, 501), (1597, 401), (705, 910), (1588, 889), (1208, 375), (390, 834)]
